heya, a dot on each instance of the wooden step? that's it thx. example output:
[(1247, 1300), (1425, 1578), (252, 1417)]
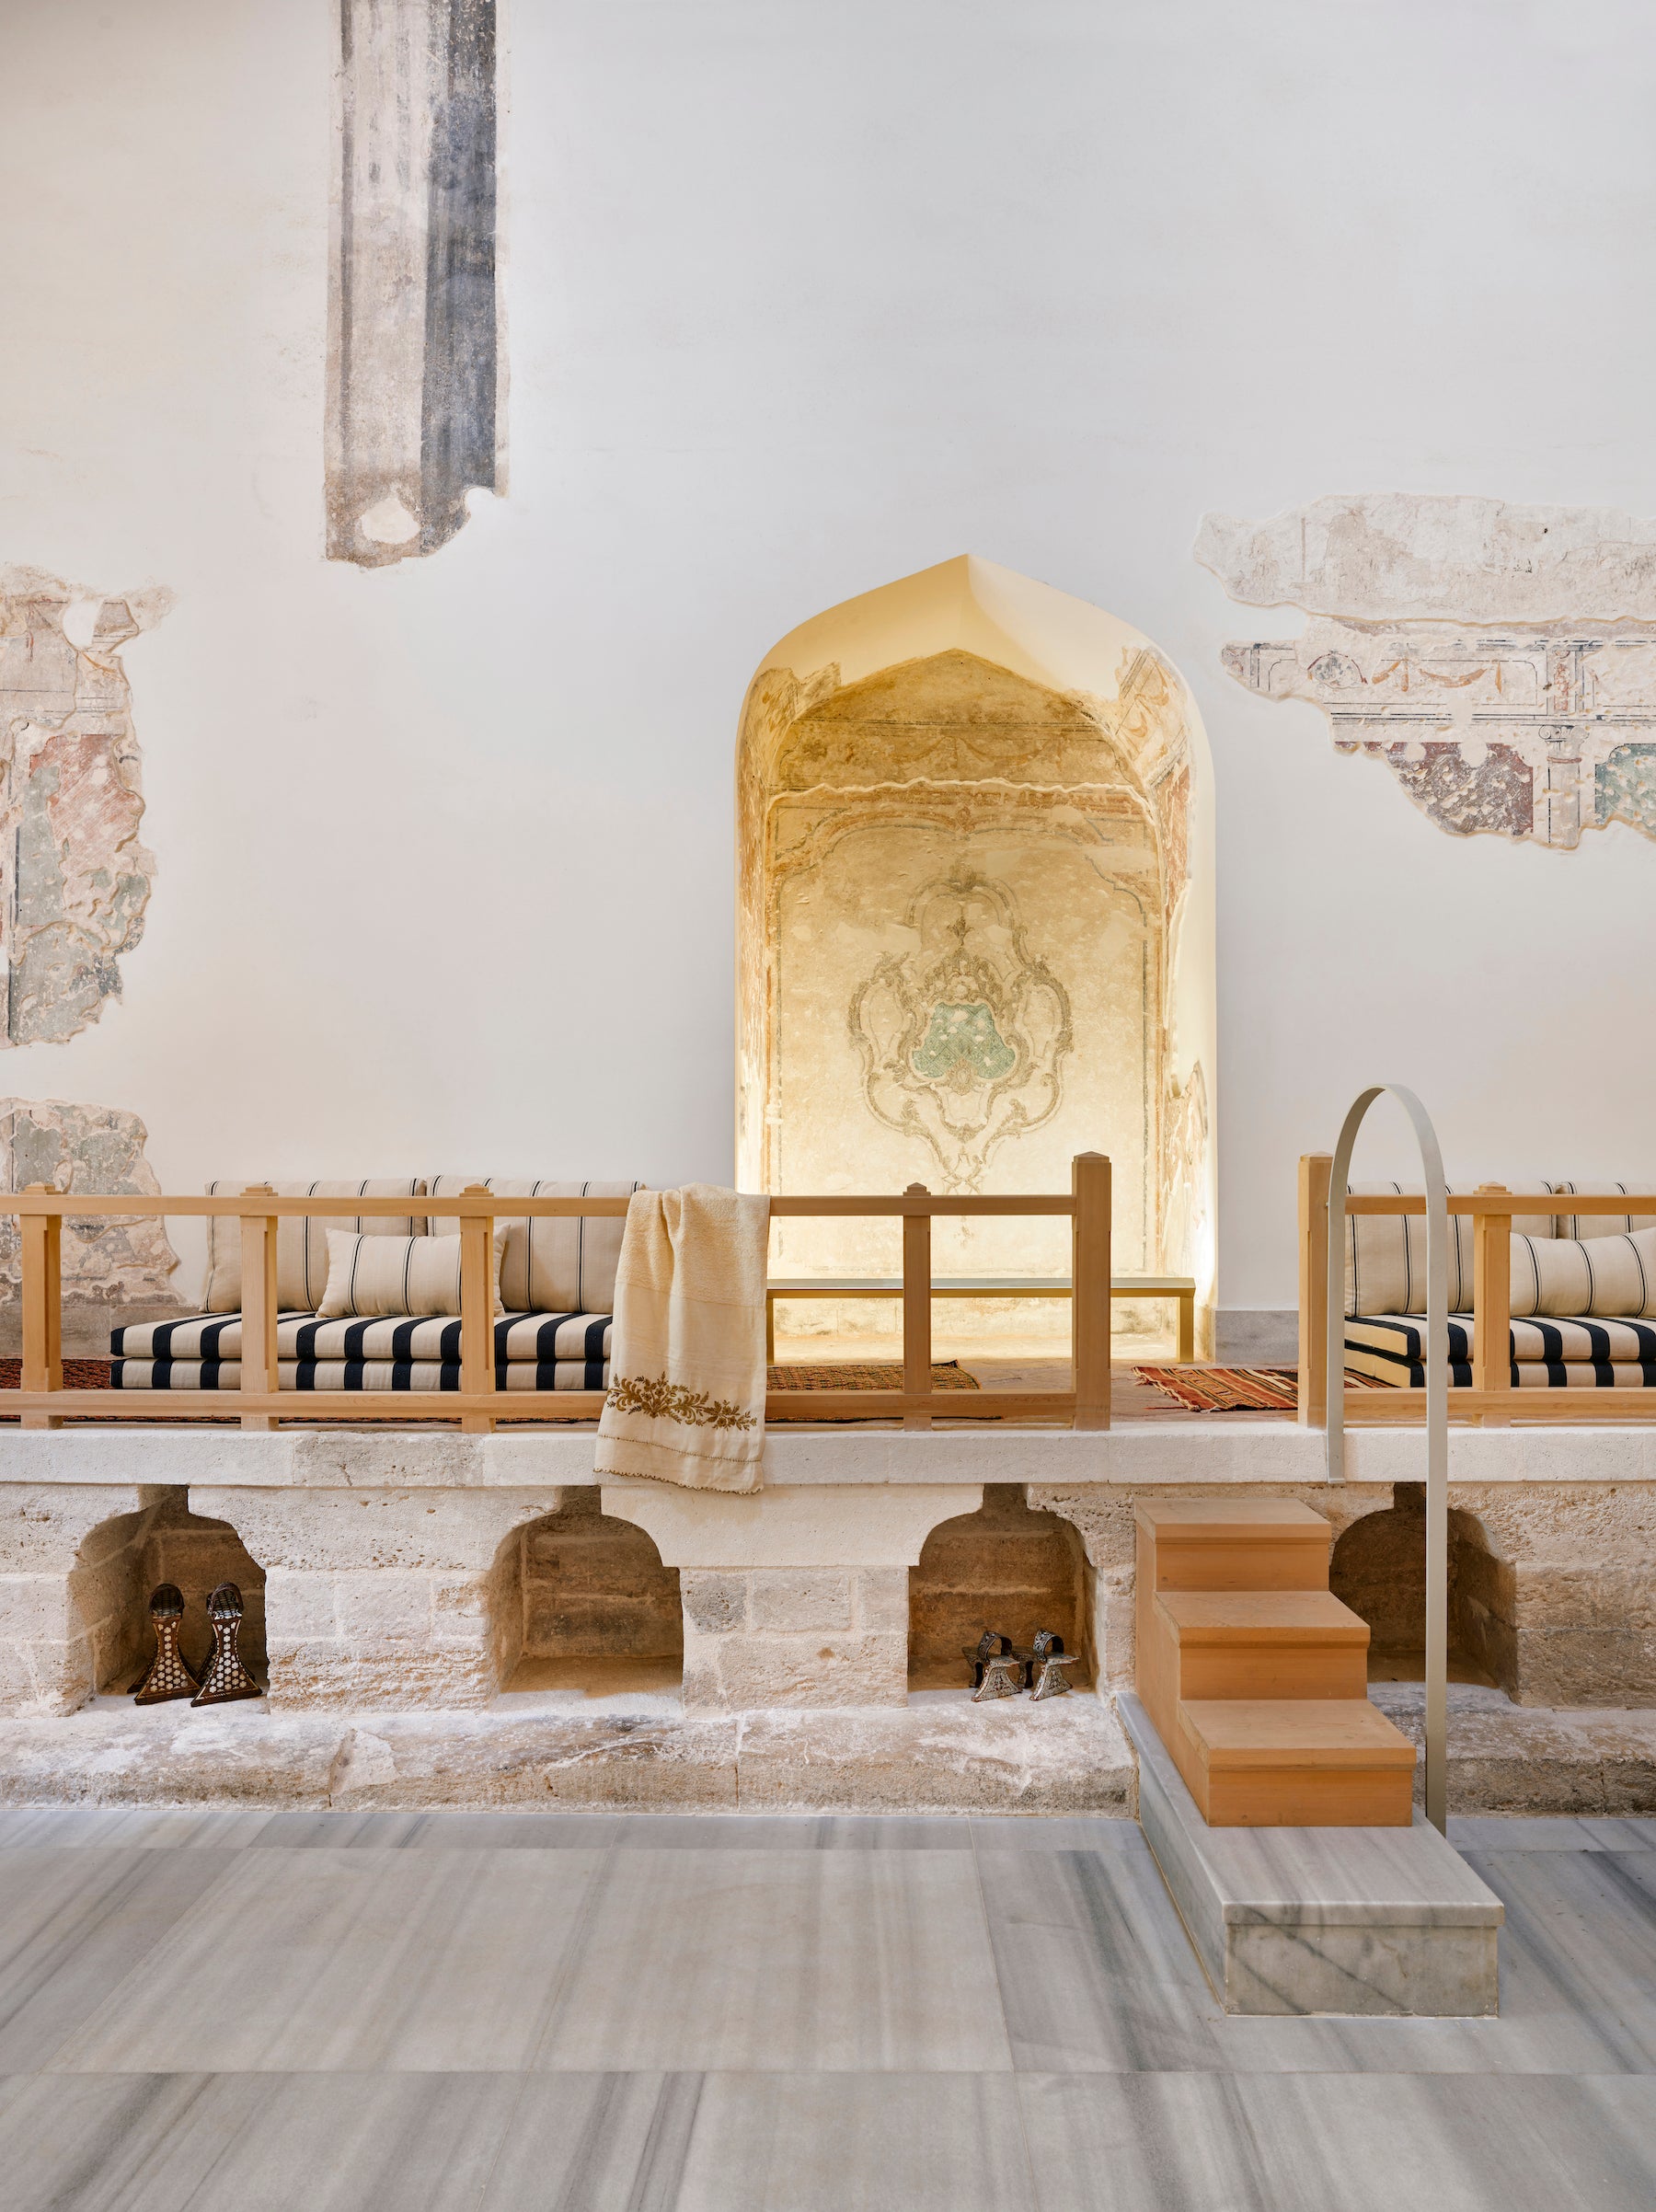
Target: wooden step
[(1264, 1643), (1294, 1762), (1232, 1544)]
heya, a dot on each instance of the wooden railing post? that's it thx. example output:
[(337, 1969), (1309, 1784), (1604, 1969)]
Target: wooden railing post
[(916, 1305), (1090, 1288), (260, 1368), (1316, 1173), (1492, 1301), (477, 1310), (42, 1292)]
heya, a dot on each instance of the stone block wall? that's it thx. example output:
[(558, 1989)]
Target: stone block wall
[(62, 1616), (1581, 1561), (594, 1588), (76, 1569), (387, 1597), (106, 1597), (800, 1636), (422, 1591), (1378, 1568), (181, 1547), (1004, 1567)]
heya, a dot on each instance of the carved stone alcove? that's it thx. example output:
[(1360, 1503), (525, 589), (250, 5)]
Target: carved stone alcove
[(975, 925)]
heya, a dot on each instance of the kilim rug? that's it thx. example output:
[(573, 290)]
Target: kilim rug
[(78, 1375), (1237, 1390), (871, 1375)]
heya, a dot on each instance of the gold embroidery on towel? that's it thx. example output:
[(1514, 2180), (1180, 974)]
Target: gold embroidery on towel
[(664, 1400)]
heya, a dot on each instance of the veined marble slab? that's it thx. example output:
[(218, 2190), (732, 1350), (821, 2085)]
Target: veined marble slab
[(1336, 1920)]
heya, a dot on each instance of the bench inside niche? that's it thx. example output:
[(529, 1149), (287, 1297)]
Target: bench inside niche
[(558, 1285)]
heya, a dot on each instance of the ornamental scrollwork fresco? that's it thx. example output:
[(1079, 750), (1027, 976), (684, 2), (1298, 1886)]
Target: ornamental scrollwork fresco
[(963, 1038)]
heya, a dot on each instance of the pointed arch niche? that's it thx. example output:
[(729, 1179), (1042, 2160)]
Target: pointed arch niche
[(975, 928)]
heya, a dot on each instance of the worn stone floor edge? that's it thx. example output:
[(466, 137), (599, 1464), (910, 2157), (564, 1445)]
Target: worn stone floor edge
[(1067, 1757)]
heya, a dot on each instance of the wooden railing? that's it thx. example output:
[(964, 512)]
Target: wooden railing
[(1491, 1399), (477, 1404)]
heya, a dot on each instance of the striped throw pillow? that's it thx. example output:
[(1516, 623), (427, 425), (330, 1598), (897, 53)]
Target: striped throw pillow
[(1600, 1275), (369, 1278)]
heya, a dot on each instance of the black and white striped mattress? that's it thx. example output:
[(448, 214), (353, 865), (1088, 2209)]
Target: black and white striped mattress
[(203, 1351), (1575, 1354)]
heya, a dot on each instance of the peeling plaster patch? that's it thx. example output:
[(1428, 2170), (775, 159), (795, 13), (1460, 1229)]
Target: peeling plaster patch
[(415, 360), (74, 879), (1501, 661), (1626, 787), (109, 1263), (1420, 556)]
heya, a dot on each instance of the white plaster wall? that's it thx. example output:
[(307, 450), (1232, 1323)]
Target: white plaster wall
[(803, 300)]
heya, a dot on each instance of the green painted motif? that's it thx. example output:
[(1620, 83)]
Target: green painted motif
[(1627, 788), (963, 1036)]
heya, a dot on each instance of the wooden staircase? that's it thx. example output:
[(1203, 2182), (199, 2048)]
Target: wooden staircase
[(1254, 1673)]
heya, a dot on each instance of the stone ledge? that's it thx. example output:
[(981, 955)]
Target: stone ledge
[(1163, 1454), (1530, 1759), (1066, 1756)]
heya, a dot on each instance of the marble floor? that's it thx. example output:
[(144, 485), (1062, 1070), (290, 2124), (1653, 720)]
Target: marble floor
[(518, 2011)]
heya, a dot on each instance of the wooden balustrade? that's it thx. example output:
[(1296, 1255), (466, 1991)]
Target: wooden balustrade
[(477, 1404), (1491, 1398)]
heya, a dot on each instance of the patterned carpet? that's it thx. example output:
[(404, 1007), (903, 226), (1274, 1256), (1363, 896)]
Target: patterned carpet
[(868, 1375), (1237, 1390), (78, 1375)]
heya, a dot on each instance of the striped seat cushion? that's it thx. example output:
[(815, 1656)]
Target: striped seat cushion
[(562, 1338), (357, 1375), (1578, 1354)]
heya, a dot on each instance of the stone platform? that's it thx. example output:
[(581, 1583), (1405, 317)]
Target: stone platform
[(396, 1579), (942, 1753), (1320, 1921)]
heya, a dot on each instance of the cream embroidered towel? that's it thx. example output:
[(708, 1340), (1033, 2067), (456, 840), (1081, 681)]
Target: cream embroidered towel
[(686, 1398)]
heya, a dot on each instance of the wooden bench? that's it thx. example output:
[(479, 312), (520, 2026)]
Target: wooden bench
[(1181, 1287)]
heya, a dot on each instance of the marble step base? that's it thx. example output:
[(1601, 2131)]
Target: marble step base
[(1319, 1921), (1065, 1755)]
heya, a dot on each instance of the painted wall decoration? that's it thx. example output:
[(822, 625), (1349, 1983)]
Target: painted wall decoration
[(415, 406), (965, 906), (967, 831), (964, 1033), (114, 1267), (74, 880), (1499, 660)]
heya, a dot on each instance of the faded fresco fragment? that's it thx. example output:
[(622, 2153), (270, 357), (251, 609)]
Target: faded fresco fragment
[(117, 1266), (75, 879), (414, 413), (963, 1034), (1501, 661), (962, 883)]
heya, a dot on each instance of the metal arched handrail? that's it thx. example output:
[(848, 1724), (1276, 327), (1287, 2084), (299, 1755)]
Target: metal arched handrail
[(1437, 1401)]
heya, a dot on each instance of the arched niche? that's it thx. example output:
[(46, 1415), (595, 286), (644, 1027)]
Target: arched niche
[(1378, 1568), (975, 929), (580, 1602), (1005, 1567), (120, 1561)]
